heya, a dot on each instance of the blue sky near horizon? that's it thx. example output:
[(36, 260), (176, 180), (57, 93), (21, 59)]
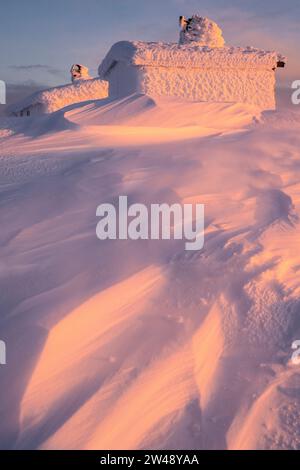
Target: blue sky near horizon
[(40, 39)]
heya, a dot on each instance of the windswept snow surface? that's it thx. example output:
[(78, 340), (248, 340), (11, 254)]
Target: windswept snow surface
[(140, 344)]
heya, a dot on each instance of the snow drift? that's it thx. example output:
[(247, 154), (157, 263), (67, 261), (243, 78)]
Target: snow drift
[(139, 344)]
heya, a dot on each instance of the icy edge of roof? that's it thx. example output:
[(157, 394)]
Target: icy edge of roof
[(187, 55)]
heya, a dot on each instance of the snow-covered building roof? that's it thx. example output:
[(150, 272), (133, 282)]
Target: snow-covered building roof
[(52, 99), (189, 55)]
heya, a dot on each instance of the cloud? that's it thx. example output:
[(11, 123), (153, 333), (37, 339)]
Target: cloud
[(37, 67)]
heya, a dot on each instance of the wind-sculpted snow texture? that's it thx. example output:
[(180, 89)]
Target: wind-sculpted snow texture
[(140, 344)]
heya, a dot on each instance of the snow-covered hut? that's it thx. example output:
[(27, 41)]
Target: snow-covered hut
[(53, 99), (199, 68)]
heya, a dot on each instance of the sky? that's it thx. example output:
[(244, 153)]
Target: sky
[(41, 39)]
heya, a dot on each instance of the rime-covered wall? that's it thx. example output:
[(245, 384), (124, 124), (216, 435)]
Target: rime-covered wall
[(124, 80), (230, 85)]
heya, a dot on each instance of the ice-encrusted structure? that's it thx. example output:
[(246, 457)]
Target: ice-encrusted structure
[(202, 31), (52, 99), (79, 72), (192, 72)]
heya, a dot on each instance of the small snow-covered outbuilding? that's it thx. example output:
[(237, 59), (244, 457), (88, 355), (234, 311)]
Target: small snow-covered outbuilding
[(53, 99), (199, 68)]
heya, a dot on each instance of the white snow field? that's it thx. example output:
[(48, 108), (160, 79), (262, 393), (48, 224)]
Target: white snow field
[(124, 344)]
